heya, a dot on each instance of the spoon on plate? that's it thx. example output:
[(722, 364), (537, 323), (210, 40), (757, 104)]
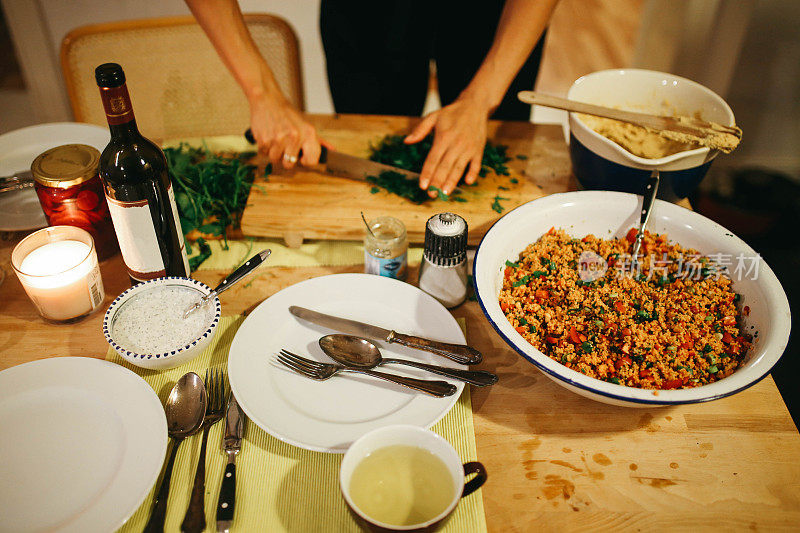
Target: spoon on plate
[(234, 277), (356, 352), (185, 409), (649, 196)]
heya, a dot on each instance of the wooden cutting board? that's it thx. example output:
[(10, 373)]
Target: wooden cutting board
[(313, 205)]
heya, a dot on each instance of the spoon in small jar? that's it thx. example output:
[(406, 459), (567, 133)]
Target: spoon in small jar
[(356, 352), (185, 409), (236, 276)]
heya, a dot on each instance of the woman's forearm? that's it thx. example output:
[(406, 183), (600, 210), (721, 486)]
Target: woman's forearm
[(224, 25), (521, 25)]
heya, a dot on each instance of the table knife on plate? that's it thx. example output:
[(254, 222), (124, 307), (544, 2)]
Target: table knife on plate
[(350, 166), (460, 353), (231, 444)]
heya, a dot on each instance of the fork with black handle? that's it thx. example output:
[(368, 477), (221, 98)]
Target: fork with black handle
[(323, 371), (195, 519)]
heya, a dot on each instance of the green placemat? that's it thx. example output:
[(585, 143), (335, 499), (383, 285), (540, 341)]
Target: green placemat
[(312, 253), (281, 487)]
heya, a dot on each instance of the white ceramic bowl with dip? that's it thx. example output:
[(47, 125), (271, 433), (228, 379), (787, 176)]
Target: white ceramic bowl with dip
[(600, 163), (145, 324), (611, 214)]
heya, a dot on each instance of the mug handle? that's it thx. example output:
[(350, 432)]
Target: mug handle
[(475, 483)]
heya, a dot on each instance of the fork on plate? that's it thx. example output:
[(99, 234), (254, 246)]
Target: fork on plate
[(323, 371), (195, 519)]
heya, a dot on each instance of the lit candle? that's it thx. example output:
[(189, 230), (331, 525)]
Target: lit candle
[(58, 269)]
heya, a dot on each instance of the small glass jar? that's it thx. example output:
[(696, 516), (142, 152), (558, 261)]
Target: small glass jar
[(71, 193), (386, 248)]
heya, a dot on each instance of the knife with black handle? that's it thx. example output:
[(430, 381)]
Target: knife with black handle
[(231, 444)]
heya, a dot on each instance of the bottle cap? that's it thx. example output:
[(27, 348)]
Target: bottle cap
[(109, 75), (66, 166), (446, 239)]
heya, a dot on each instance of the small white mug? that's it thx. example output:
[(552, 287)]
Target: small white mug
[(406, 435)]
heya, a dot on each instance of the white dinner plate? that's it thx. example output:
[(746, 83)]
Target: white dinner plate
[(20, 210), (327, 416), (81, 443)]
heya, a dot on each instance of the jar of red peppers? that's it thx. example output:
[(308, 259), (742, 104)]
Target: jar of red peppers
[(71, 193)]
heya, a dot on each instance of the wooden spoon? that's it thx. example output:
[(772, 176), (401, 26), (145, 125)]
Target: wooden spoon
[(680, 128)]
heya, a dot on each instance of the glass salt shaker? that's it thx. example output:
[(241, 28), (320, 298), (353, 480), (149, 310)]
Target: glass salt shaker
[(443, 271), (386, 248)]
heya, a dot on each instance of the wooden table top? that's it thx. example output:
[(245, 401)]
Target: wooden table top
[(556, 461)]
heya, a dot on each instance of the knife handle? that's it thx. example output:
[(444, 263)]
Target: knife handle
[(479, 378), (438, 389), (227, 492), (460, 353), (323, 154)]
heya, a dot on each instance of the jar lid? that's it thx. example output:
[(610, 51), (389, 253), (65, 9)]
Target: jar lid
[(446, 239), (66, 166)]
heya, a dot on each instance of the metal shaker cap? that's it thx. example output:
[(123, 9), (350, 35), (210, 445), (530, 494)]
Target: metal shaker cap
[(446, 239)]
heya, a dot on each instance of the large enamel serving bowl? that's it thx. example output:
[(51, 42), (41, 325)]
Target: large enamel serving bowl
[(600, 163), (607, 214)]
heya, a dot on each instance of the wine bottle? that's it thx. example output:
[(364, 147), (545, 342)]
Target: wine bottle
[(138, 188)]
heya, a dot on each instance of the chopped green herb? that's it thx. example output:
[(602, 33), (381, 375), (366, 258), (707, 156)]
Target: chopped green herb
[(707, 348), (713, 369), (502, 188), (374, 190), (614, 380), (496, 204), (522, 321), (521, 281), (441, 194), (398, 184), (539, 273), (210, 189), (522, 157), (512, 265), (205, 253), (587, 346), (514, 180)]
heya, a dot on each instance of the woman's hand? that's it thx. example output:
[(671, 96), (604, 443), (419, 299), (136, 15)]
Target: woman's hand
[(458, 143), (282, 132)]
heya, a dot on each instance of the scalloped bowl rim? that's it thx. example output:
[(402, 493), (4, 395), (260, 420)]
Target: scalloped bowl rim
[(759, 360), (171, 354)]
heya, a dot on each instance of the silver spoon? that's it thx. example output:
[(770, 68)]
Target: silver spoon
[(647, 206), (356, 352), (185, 409), (235, 276)]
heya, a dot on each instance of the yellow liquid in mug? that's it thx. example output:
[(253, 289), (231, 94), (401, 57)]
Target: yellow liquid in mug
[(401, 485)]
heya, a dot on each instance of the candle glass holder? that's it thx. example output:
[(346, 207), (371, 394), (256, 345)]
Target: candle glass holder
[(58, 269)]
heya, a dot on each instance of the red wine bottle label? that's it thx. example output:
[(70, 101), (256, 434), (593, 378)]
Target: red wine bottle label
[(117, 104), (137, 238)]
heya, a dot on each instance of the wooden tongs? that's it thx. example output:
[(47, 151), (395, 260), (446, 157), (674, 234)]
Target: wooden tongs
[(680, 128)]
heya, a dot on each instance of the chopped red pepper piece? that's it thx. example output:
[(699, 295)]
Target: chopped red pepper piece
[(619, 306), (541, 294), (727, 338), (672, 384), (551, 340), (504, 307), (631, 236), (573, 335), (521, 330), (626, 332)]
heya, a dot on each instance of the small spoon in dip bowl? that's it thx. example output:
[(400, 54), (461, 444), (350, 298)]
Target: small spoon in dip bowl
[(236, 276), (356, 352), (185, 408)]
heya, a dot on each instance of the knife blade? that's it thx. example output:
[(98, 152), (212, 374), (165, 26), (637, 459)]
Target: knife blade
[(231, 444), (349, 166), (358, 168), (460, 353)]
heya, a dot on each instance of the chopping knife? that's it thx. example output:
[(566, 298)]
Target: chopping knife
[(350, 166), (231, 444), (460, 353)]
